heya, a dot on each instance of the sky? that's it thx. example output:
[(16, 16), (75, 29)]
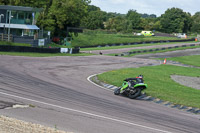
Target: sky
[(156, 7)]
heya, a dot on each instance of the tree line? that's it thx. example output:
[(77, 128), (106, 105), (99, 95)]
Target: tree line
[(57, 15)]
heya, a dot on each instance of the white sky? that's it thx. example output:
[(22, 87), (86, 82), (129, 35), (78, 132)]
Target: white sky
[(157, 7)]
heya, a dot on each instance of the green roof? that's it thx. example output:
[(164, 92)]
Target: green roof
[(20, 8)]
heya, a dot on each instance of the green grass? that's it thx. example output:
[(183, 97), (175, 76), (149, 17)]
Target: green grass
[(132, 46), (54, 45), (14, 44), (160, 85), (189, 60), (92, 39), (42, 54)]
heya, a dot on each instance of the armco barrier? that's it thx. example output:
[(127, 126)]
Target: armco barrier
[(158, 49), (135, 43), (6, 48), (28, 49)]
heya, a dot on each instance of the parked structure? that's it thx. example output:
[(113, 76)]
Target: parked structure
[(20, 22)]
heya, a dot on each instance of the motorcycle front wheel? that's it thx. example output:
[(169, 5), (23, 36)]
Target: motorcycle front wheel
[(134, 93), (117, 91)]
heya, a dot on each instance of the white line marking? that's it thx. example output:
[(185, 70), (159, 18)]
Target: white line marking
[(97, 84), (86, 113)]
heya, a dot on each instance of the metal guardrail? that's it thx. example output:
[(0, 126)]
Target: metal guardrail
[(151, 50)]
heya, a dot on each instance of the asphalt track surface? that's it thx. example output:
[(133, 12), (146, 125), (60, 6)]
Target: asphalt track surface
[(62, 97)]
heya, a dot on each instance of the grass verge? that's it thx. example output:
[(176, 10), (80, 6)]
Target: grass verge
[(54, 45), (160, 85), (132, 46), (14, 44), (189, 60), (94, 38)]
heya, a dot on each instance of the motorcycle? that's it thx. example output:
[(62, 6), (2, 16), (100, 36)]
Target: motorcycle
[(131, 87)]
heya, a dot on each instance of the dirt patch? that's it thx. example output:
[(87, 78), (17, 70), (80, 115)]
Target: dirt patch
[(11, 125), (193, 82)]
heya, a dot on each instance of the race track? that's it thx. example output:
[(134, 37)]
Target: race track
[(60, 95)]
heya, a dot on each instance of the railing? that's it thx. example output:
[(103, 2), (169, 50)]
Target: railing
[(21, 21), (5, 37)]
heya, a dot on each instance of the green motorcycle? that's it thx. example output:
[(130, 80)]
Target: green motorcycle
[(131, 87)]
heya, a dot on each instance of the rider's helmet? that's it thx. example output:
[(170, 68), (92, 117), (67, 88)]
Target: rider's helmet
[(139, 79), (140, 76)]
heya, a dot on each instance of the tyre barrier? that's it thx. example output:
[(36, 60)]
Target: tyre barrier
[(6, 48), (157, 49), (144, 97), (136, 43)]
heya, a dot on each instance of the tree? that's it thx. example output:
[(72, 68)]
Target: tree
[(148, 16), (119, 24), (157, 26), (4, 2), (94, 20), (134, 18), (93, 8), (175, 20), (152, 16), (147, 23), (196, 22), (63, 14)]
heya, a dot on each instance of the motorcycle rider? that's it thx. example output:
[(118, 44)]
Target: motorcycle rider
[(138, 79)]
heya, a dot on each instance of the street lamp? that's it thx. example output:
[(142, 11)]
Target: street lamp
[(1, 16), (9, 26)]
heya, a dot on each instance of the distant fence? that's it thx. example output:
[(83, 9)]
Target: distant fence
[(6, 48), (157, 49), (23, 39)]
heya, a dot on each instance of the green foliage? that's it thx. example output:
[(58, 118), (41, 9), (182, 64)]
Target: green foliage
[(94, 20), (14, 44), (95, 38), (93, 8), (196, 23), (62, 14), (175, 20), (57, 15), (137, 45), (134, 18), (157, 26), (148, 16), (190, 60), (118, 24)]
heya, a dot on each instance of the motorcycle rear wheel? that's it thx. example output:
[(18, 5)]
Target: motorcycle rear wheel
[(137, 92)]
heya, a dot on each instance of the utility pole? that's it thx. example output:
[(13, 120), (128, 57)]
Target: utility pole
[(1, 16), (9, 25)]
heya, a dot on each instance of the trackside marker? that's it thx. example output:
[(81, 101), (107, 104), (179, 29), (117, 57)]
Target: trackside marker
[(87, 113), (97, 84), (165, 61)]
